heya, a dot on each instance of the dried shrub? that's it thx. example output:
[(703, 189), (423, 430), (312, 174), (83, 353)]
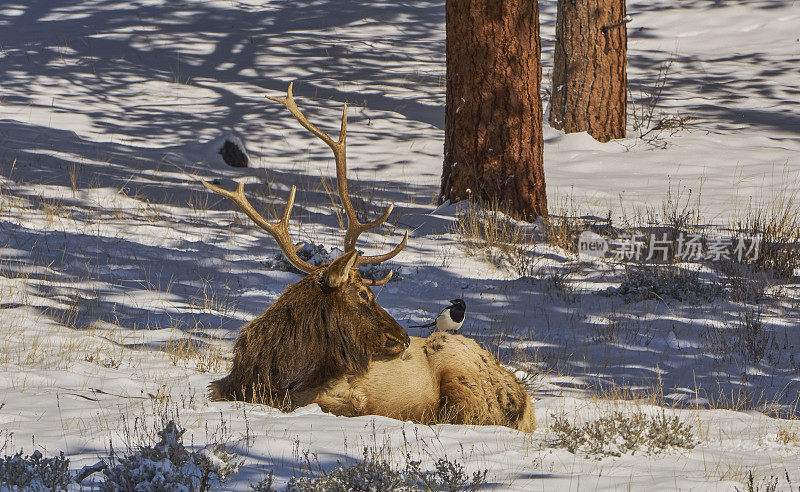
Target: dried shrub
[(34, 472), (556, 283), (168, 465), (647, 118), (618, 434), (658, 282), (373, 474), (745, 337), (746, 283), (367, 475), (752, 338)]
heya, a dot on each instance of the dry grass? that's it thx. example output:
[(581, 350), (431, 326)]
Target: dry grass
[(143, 210), (28, 348), (208, 299), (563, 231), (763, 484), (488, 231), (75, 172), (738, 399), (12, 205), (562, 228), (52, 209), (622, 329), (613, 392), (200, 355), (787, 435), (681, 208), (777, 224)]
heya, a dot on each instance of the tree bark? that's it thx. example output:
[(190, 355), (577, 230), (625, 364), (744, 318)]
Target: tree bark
[(589, 78), (493, 112)]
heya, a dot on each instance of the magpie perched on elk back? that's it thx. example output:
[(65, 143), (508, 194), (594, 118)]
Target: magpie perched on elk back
[(450, 319), (325, 340)]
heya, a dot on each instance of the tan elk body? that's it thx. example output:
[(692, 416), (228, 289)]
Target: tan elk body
[(326, 340), (440, 379)]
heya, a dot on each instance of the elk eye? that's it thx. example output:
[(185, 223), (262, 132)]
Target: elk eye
[(364, 295)]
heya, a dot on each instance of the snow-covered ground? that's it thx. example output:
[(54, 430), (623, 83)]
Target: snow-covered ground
[(123, 282)]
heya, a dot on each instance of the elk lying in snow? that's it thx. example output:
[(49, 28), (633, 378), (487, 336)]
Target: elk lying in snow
[(326, 340)]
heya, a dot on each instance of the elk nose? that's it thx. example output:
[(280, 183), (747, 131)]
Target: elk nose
[(396, 344)]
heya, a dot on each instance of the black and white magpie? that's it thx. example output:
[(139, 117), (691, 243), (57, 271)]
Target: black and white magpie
[(450, 319)]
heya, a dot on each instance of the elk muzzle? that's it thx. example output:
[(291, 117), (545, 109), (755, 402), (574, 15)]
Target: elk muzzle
[(395, 338), (394, 345)]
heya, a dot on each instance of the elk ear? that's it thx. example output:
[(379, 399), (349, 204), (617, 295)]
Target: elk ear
[(339, 271)]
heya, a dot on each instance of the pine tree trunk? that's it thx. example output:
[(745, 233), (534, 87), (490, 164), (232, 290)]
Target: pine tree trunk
[(493, 113), (589, 78)]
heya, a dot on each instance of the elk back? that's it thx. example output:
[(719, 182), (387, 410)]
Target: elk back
[(440, 379)]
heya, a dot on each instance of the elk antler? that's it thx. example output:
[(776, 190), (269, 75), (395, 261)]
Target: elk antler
[(354, 227), (279, 230)]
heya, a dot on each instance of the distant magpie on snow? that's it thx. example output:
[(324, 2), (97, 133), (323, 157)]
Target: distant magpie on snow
[(450, 319)]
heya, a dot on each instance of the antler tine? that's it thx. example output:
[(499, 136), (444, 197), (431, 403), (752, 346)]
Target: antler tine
[(289, 103), (279, 230), (372, 260), (354, 227), (378, 283)]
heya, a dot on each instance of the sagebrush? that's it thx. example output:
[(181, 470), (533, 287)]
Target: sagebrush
[(374, 474), (618, 434)]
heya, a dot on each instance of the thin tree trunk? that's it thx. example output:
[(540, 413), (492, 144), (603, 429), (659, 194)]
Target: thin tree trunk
[(589, 78), (493, 112)]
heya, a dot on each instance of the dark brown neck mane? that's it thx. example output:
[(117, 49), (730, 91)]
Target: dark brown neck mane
[(302, 341)]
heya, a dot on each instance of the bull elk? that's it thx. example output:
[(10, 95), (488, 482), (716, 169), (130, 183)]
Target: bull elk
[(326, 340)]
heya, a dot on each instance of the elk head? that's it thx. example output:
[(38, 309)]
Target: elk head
[(329, 323), (349, 304)]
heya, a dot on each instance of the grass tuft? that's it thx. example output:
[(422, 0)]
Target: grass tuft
[(778, 227), (486, 229)]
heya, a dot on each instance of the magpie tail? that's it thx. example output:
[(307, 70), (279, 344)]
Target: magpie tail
[(433, 323)]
